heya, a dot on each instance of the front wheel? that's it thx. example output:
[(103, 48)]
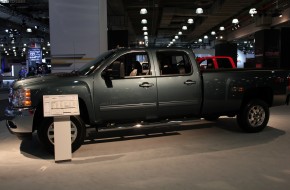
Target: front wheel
[(254, 116), (45, 133)]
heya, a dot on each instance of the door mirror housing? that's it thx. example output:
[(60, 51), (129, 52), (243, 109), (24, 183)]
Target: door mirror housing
[(114, 71)]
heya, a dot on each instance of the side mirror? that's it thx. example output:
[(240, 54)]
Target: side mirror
[(114, 71), (106, 74)]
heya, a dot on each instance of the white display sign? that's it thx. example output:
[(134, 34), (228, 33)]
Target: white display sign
[(60, 105)]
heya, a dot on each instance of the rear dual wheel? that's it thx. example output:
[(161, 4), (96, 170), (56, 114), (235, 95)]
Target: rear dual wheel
[(254, 116)]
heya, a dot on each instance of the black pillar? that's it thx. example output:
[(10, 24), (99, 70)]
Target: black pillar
[(227, 49), (117, 38), (285, 48), (267, 48)]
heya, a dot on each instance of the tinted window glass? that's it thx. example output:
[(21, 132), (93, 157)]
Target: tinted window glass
[(132, 64), (224, 63), (173, 62)]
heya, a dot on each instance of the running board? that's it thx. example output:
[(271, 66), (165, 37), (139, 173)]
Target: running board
[(149, 125)]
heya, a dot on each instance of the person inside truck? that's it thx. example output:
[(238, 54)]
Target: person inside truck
[(136, 68)]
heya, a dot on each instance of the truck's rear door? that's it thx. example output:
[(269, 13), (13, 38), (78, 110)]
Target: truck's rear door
[(179, 84)]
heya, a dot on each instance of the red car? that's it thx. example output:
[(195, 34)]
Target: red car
[(216, 62)]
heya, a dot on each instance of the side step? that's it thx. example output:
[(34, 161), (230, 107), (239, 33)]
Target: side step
[(113, 127)]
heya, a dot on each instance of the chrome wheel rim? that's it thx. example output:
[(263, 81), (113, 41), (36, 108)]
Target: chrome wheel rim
[(73, 129), (256, 116)]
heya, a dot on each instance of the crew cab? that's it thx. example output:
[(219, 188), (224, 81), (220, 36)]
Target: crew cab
[(115, 90), (216, 62)]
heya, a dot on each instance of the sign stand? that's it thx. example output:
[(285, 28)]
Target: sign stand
[(62, 139), (61, 107)]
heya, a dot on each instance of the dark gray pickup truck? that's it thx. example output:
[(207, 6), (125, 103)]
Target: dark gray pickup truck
[(143, 87)]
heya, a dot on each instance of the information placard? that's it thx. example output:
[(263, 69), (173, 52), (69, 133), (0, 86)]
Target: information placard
[(60, 105)]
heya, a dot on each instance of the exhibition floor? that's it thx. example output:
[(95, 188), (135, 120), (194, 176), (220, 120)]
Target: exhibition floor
[(201, 156)]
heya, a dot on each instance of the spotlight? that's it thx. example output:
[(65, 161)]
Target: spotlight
[(277, 13)]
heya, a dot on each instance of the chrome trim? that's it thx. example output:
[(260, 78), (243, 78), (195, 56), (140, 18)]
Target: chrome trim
[(128, 106), (178, 103)]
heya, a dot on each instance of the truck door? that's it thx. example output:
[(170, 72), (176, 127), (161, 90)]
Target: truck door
[(179, 85), (128, 88)]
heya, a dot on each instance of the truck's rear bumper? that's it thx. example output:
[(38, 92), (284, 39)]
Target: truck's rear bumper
[(19, 121)]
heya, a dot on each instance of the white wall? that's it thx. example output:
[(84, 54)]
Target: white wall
[(78, 30)]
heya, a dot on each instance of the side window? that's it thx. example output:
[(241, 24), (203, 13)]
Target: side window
[(134, 64), (131, 65), (206, 64), (173, 62), (224, 63)]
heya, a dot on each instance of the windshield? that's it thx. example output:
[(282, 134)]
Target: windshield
[(92, 65)]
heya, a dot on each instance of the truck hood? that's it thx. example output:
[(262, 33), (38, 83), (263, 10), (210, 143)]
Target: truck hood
[(44, 78)]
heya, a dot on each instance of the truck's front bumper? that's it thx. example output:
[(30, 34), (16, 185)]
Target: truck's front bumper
[(19, 121)]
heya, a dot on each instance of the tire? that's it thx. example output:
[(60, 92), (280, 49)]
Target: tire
[(254, 116), (45, 133)]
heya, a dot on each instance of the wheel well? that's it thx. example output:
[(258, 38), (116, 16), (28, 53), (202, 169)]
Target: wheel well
[(38, 115), (84, 111), (265, 94)]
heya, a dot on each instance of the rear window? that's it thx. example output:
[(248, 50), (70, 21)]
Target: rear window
[(173, 62), (224, 63)]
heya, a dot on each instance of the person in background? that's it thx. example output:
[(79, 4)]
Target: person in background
[(22, 73)]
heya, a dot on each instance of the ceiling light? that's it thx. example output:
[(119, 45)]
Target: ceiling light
[(144, 21), (7, 30), (179, 33), (199, 11), (28, 30), (205, 37), (253, 11), (176, 37), (199, 40), (144, 28), (145, 33), (190, 21), (213, 33), (146, 37), (143, 11), (184, 27), (173, 40), (222, 28), (235, 21)]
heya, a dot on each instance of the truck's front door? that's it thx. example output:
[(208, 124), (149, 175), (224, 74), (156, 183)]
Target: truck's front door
[(179, 85), (128, 88)]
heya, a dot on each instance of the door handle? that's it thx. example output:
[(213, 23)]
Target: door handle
[(189, 82), (146, 85)]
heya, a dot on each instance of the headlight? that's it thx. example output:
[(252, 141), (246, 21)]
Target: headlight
[(21, 98)]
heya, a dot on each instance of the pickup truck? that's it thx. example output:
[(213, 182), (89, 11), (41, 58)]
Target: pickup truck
[(216, 62), (145, 87)]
